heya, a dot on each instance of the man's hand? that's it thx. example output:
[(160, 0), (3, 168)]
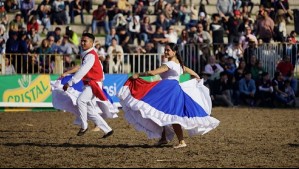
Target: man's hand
[(66, 86)]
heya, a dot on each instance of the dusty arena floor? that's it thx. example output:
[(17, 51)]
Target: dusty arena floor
[(244, 138)]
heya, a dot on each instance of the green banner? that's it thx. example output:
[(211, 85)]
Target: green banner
[(26, 88)]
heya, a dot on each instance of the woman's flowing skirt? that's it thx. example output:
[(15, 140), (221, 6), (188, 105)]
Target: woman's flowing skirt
[(149, 106)]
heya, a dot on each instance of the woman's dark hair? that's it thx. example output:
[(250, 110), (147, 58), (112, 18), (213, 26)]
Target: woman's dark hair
[(175, 48)]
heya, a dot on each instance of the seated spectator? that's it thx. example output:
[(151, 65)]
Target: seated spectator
[(9, 68), (34, 37), (159, 6), (235, 51), (56, 34), (134, 29), (257, 70), (213, 68), (287, 70), (32, 24), (68, 63), (280, 94), (124, 6), (146, 30), (87, 5), (44, 58), (115, 52), (76, 9), (291, 97), (265, 90), (124, 39), (44, 10), (99, 20), (100, 50), (59, 13), (27, 6), (245, 5), (247, 89), (222, 90), (172, 35), (109, 37)]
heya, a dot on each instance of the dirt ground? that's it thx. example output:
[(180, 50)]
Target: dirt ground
[(246, 137)]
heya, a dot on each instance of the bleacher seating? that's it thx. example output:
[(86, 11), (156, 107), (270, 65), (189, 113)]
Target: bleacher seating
[(211, 8)]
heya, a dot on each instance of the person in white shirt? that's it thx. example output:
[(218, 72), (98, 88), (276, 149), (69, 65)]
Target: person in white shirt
[(9, 68), (92, 75)]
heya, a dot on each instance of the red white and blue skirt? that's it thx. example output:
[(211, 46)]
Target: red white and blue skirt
[(67, 100), (150, 106)]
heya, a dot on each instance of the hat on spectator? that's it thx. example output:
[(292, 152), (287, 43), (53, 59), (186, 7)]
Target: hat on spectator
[(237, 12), (202, 14)]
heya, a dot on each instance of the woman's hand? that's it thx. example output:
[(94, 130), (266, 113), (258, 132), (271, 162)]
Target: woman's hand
[(135, 76), (63, 75)]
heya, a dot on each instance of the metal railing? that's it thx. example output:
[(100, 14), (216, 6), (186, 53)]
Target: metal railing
[(192, 54)]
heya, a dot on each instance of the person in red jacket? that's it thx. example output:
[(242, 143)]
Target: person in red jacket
[(92, 75)]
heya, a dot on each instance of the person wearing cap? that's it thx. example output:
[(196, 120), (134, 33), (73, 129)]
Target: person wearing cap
[(203, 20), (233, 25), (92, 75)]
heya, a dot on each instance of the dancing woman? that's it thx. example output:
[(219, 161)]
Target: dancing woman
[(153, 107)]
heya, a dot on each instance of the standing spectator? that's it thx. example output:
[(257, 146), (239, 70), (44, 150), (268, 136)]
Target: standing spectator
[(265, 27), (217, 32), (233, 26), (204, 39)]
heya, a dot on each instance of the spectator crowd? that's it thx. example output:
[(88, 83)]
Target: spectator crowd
[(233, 70)]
